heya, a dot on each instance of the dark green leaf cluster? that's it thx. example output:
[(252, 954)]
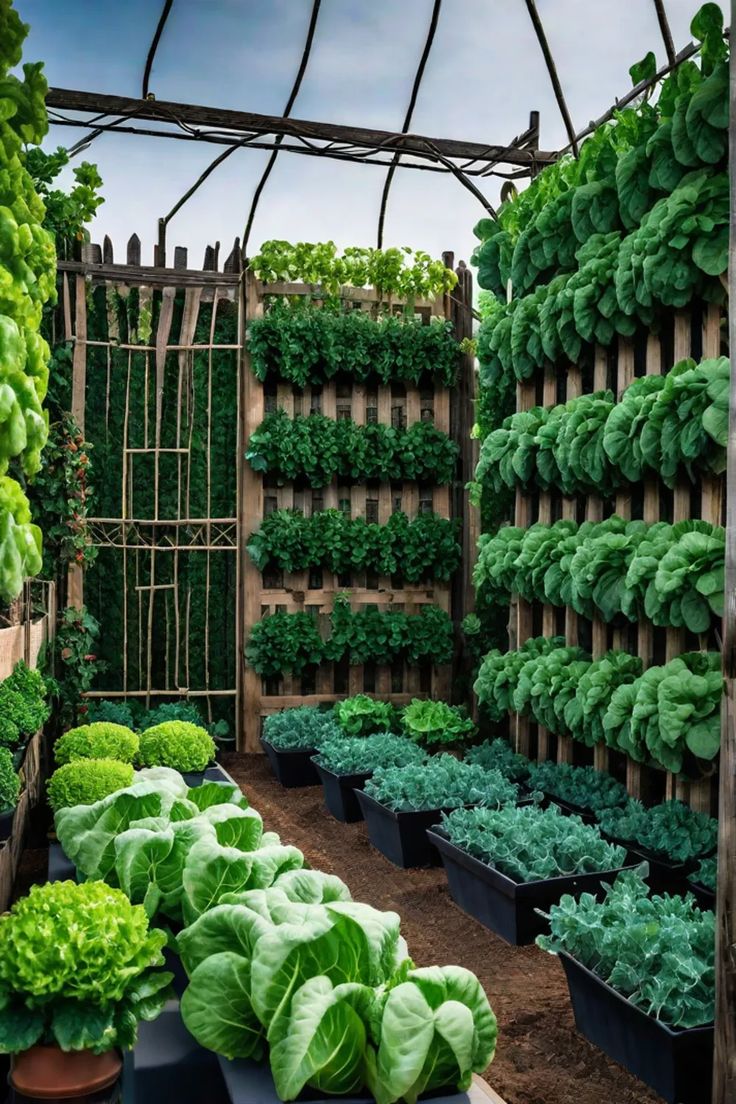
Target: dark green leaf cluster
[(426, 546), (362, 715), (671, 831), (433, 723), (442, 782), (706, 874), (586, 787), (530, 844), (9, 781), (361, 754), (292, 641), (499, 673), (499, 755), (665, 425), (318, 449), (23, 706), (308, 347), (658, 952), (303, 728), (671, 574)]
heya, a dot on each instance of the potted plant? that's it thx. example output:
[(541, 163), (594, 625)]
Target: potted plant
[(671, 837), (79, 968), (583, 791), (504, 865), (290, 739), (9, 793), (400, 803), (362, 715), (499, 755), (85, 781), (344, 766), (435, 724), (179, 745), (98, 740), (646, 1008)]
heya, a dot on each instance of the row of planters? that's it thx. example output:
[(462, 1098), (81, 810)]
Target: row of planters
[(527, 846), (273, 962), (23, 711)]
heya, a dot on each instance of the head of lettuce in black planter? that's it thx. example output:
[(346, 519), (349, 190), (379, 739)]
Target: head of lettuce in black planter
[(179, 745)]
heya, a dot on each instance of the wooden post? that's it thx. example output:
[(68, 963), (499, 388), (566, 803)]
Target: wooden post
[(250, 515), (724, 1062)]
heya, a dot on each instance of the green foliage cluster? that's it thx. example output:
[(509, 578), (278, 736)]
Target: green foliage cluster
[(671, 831), (404, 272), (79, 967), (301, 729), (665, 425), (318, 449), (98, 740), (23, 706), (27, 282), (658, 952), (85, 781), (442, 782), (599, 243), (706, 874), (361, 754), (499, 755), (292, 641), (426, 546), (119, 712), (665, 714), (77, 663), (362, 715), (308, 347), (178, 745), (9, 781), (671, 574), (67, 212), (434, 723), (593, 790), (530, 844)]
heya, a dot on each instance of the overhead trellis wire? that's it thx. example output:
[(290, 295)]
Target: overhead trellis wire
[(664, 27), (433, 21), (553, 75), (168, 4), (287, 112)]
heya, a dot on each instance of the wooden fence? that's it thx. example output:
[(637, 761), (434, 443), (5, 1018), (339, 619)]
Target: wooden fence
[(693, 333), (136, 331)]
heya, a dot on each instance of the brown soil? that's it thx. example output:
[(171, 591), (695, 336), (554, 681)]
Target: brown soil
[(541, 1058)]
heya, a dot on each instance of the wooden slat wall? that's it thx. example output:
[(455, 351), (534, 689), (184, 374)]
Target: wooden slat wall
[(694, 333), (294, 593)]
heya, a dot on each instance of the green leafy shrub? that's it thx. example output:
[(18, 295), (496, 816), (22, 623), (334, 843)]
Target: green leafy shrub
[(308, 347), (362, 715), (499, 672), (303, 728), (114, 712), (590, 789), (79, 967), (426, 546), (499, 755), (319, 449), (178, 745), (99, 740), (706, 874), (671, 831), (360, 754), (85, 781), (530, 844), (628, 938), (9, 781), (442, 782), (23, 707), (435, 723)]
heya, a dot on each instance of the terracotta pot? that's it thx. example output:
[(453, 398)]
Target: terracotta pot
[(49, 1073)]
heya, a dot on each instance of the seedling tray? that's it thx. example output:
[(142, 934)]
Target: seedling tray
[(507, 907), (676, 1063), (401, 837), (292, 768), (340, 793)]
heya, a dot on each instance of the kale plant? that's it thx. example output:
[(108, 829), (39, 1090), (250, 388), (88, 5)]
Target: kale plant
[(442, 782), (586, 787), (671, 831), (499, 755), (362, 754), (302, 729)]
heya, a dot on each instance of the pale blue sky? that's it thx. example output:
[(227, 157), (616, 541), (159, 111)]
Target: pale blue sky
[(483, 78)]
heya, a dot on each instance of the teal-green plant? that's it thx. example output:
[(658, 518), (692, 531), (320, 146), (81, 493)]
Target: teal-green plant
[(442, 782), (499, 755), (671, 831), (590, 789), (304, 728), (361, 754)]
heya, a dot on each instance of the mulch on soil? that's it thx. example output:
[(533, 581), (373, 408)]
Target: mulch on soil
[(541, 1058)]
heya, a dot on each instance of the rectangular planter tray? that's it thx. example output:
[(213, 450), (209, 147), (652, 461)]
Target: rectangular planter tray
[(705, 897), (676, 1063), (663, 877), (214, 773), (401, 837), (292, 768), (507, 907), (340, 793)]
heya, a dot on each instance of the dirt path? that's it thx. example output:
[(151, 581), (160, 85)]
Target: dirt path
[(541, 1058)]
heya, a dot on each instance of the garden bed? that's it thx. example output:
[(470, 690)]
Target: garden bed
[(543, 1059)]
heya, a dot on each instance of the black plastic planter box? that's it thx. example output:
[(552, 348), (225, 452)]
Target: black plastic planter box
[(705, 897), (501, 904), (664, 876), (567, 807), (340, 793), (213, 773), (292, 768), (676, 1063), (401, 837)]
